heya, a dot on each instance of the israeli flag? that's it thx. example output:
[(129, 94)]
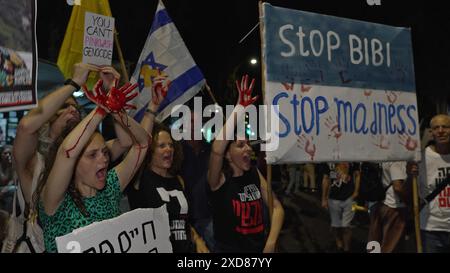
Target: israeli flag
[(165, 51)]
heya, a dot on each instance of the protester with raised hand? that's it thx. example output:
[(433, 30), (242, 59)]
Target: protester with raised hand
[(56, 113), (42, 125), (76, 188), (238, 190), (159, 183)]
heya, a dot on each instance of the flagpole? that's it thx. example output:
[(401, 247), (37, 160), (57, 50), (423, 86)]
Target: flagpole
[(121, 60), (210, 93), (416, 215), (263, 88)]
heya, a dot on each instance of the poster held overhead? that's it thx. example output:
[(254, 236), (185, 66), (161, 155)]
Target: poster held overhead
[(18, 56), (345, 88), (98, 39)]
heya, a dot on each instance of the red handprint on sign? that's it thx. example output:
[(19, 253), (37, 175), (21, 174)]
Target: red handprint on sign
[(333, 125), (305, 88), (307, 144), (245, 92), (381, 142), (391, 96), (288, 86), (367, 93), (409, 143)]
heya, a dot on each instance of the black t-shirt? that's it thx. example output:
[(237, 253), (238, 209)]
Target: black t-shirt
[(238, 214), (155, 191), (342, 185)]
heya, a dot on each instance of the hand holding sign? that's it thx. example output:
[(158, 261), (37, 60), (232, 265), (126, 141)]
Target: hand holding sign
[(109, 76), (245, 92), (81, 72)]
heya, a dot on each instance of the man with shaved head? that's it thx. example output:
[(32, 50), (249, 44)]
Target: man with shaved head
[(434, 168)]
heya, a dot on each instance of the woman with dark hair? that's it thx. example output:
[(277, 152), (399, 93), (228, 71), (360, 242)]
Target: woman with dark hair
[(76, 187), (159, 183), (238, 190)]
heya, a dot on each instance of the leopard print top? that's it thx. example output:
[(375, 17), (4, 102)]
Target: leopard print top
[(104, 205)]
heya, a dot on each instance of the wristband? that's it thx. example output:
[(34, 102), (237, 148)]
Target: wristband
[(72, 83), (151, 112)]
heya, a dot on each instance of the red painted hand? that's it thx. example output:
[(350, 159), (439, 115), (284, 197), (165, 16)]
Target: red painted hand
[(97, 95), (160, 88), (245, 92), (118, 97)]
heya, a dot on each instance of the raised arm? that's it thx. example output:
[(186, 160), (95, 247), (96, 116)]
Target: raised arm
[(68, 153), (215, 176), (134, 158), (160, 87), (119, 145), (277, 217), (26, 141), (123, 142)]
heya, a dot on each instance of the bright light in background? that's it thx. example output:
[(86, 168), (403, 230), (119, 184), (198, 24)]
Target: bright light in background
[(78, 94), (253, 61)]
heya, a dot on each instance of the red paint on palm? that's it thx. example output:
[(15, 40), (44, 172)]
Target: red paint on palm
[(117, 98), (245, 91), (98, 95)]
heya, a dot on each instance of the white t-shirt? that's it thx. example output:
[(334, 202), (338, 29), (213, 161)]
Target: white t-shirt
[(434, 167), (393, 171)]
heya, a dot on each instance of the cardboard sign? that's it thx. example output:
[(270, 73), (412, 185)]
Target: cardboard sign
[(98, 40), (137, 231), (345, 88)]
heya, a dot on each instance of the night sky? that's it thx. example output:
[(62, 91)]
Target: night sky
[(212, 30)]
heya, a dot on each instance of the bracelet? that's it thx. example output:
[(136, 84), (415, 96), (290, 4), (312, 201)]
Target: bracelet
[(151, 112), (74, 84)]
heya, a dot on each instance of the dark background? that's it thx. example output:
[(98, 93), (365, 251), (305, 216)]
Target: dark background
[(212, 30)]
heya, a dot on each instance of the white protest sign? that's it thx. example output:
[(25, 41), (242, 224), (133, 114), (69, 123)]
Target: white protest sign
[(98, 39), (137, 231), (345, 88)]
